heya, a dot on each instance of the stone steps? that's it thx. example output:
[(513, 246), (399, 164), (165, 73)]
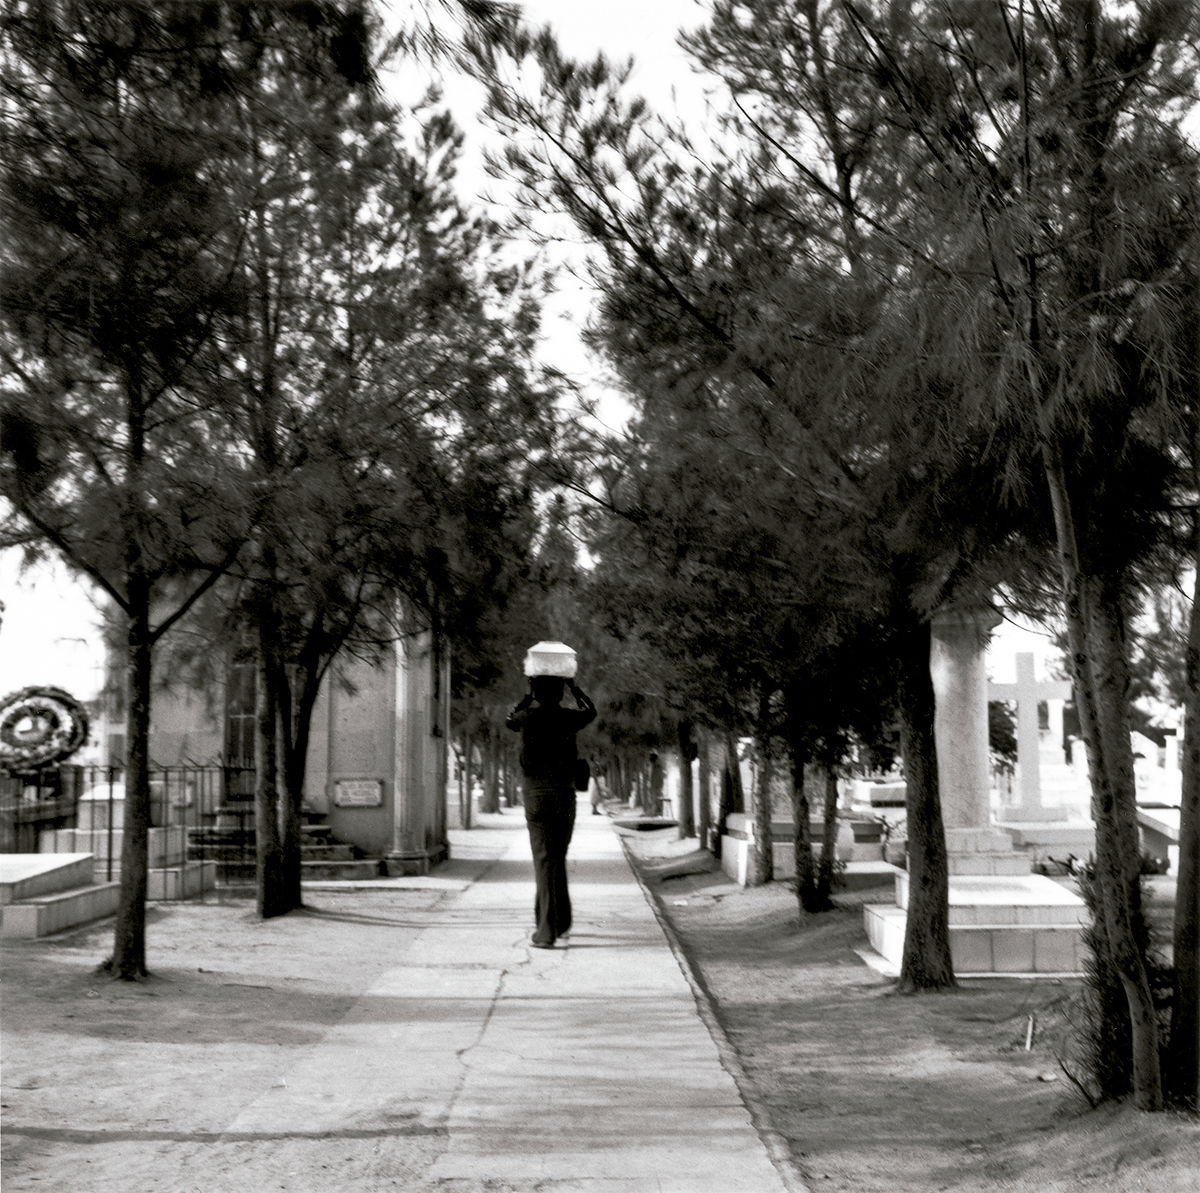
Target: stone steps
[(345, 871), (322, 858), (242, 872), (329, 853)]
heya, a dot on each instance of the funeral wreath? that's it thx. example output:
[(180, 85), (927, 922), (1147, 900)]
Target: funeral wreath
[(39, 726)]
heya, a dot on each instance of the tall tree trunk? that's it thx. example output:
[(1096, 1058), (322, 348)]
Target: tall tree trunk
[(295, 728), (737, 793), (654, 786), (491, 774), (466, 790), (926, 961), (1183, 1056), (704, 789), (762, 853), (731, 798), (509, 785), (292, 746), (828, 839), (268, 843), (1118, 855), (1100, 669), (762, 859), (128, 960), (687, 794), (616, 779), (801, 829)]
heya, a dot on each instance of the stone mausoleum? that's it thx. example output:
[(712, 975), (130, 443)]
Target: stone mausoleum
[(377, 758)]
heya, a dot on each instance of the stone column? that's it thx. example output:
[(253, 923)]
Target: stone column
[(408, 841), (957, 665), (419, 837), (958, 668)]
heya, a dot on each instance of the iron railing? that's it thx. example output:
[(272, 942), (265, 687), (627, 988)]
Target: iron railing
[(197, 814)]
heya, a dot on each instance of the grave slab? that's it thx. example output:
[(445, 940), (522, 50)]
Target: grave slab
[(45, 893)]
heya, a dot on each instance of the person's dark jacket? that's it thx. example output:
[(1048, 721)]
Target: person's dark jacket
[(548, 752)]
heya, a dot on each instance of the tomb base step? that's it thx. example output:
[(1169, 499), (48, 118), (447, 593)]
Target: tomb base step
[(1026, 900), (105, 870), (171, 884), (1011, 864), (43, 915), (346, 871), (165, 846), (329, 853), (242, 872), (406, 863), (29, 875), (863, 876), (1046, 813), (1072, 836), (864, 867), (985, 950)]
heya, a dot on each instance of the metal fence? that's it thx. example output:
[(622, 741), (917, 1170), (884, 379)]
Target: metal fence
[(198, 814)]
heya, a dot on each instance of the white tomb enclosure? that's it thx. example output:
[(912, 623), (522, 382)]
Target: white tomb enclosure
[(859, 846), (99, 831), (1004, 920), (1050, 816)]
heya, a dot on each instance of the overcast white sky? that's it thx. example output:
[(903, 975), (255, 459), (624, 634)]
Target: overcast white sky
[(644, 30)]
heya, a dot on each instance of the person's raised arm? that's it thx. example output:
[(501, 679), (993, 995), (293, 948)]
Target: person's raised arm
[(516, 718), (587, 710)]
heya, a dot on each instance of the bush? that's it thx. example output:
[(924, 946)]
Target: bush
[(1099, 1059)]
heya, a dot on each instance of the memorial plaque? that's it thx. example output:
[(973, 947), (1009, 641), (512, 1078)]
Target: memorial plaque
[(358, 793)]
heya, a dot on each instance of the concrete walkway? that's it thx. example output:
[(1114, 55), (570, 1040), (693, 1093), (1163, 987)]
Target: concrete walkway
[(586, 1067)]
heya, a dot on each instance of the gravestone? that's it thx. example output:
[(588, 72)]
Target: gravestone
[(1038, 751), (1051, 817)]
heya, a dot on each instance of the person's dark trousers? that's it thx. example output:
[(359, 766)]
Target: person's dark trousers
[(550, 818)]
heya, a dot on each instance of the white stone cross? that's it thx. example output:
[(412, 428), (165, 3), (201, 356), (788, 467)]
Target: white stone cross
[(1028, 693)]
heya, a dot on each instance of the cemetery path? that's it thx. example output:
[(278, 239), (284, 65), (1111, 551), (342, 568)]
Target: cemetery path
[(400, 1034)]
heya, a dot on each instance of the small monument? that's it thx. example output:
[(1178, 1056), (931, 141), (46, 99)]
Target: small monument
[(1003, 919), (1051, 816)]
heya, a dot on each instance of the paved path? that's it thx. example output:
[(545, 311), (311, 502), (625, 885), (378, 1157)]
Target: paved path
[(587, 1067)]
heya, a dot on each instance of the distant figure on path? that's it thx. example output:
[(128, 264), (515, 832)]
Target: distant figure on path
[(548, 757), (655, 802)]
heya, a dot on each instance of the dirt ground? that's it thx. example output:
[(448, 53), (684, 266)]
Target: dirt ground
[(875, 1091), (871, 1091), (231, 1004)]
